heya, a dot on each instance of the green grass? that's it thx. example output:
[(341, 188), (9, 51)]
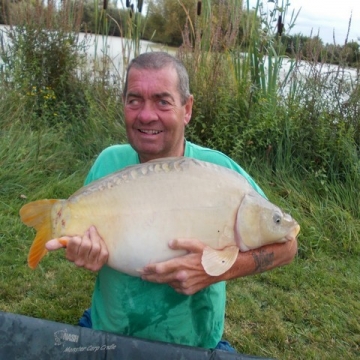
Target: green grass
[(307, 310), (54, 291)]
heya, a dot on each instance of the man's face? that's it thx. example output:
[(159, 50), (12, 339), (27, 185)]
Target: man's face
[(155, 119)]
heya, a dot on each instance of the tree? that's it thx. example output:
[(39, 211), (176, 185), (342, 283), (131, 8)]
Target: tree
[(166, 20), (351, 53)]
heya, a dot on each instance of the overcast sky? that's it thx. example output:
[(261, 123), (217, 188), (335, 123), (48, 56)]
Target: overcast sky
[(325, 17)]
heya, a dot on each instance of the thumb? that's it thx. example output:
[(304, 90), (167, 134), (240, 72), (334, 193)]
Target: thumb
[(190, 245), (56, 244)]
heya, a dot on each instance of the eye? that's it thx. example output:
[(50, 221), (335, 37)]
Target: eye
[(133, 101), (277, 219), (163, 102)]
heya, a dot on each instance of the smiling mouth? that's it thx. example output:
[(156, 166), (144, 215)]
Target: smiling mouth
[(150, 132)]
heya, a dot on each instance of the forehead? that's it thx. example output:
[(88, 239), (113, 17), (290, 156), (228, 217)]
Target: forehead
[(153, 80)]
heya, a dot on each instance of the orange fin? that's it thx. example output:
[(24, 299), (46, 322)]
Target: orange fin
[(37, 214)]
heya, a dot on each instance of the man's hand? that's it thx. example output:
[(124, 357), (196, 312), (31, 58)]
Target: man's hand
[(88, 251), (185, 273), (187, 276)]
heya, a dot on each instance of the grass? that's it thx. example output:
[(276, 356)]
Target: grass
[(307, 310), (48, 292)]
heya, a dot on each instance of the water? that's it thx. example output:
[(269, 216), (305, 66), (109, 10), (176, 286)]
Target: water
[(115, 49), (119, 51)]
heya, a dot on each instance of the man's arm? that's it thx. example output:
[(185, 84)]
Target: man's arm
[(186, 274)]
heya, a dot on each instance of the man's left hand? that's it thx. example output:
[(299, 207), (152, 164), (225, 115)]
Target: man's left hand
[(185, 273)]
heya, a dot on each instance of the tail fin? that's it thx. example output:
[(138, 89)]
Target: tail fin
[(37, 214)]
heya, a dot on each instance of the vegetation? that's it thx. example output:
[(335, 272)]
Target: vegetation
[(166, 19), (293, 126)]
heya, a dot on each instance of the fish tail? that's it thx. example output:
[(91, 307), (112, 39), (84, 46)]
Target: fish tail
[(37, 214)]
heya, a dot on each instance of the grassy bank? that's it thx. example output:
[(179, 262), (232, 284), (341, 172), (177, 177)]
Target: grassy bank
[(298, 136)]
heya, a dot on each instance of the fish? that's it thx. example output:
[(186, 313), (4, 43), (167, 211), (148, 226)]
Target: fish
[(138, 210)]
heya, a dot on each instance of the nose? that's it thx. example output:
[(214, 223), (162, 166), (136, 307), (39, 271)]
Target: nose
[(147, 112)]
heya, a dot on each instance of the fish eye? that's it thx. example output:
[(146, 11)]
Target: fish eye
[(277, 219)]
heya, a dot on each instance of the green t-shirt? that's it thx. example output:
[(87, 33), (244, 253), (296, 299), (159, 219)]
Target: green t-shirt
[(128, 305)]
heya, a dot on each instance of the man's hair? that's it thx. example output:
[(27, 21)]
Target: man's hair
[(159, 60)]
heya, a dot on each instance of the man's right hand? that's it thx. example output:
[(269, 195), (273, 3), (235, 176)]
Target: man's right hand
[(88, 251)]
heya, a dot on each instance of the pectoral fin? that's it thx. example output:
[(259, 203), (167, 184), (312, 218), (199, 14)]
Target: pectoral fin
[(216, 262)]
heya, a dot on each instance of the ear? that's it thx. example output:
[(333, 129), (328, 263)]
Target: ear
[(188, 109)]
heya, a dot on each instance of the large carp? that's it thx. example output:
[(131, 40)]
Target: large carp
[(139, 209)]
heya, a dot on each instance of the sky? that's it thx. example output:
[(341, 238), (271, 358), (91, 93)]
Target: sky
[(325, 17)]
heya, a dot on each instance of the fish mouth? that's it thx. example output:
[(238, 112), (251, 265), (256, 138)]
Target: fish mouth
[(150, 132), (293, 234)]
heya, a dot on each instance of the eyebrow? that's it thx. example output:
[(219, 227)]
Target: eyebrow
[(133, 94), (161, 95)]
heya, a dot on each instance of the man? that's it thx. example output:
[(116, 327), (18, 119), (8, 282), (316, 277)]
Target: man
[(174, 301)]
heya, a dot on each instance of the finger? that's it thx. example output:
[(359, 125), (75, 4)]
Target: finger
[(190, 245), (99, 251), (186, 285), (94, 235), (162, 268), (174, 279), (81, 246), (56, 244)]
